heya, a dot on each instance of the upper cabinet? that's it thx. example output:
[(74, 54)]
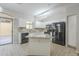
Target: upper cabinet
[(21, 22), (30, 24), (39, 24)]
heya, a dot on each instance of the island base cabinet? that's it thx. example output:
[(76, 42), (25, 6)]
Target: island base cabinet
[(39, 47)]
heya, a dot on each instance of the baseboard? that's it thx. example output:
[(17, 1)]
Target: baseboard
[(5, 44), (71, 46)]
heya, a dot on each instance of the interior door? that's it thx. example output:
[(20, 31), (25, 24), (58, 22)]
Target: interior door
[(72, 30), (5, 32)]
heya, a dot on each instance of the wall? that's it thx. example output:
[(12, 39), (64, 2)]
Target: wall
[(73, 10), (15, 31), (77, 31)]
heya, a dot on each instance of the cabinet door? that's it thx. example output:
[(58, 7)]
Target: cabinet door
[(22, 23), (39, 24)]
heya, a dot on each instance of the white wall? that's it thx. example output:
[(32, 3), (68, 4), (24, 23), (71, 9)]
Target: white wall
[(72, 10), (15, 31), (77, 32)]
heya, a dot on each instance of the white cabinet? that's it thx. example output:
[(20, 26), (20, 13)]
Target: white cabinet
[(21, 22), (19, 37), (36, 24), (39, 46), (39, 24)]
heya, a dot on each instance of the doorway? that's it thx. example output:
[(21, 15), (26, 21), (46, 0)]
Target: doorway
[(5, 31)]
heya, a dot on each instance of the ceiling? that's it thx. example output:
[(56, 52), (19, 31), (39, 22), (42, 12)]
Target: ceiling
[(28, 10)]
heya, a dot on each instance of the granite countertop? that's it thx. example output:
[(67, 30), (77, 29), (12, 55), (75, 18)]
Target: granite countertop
[(39, 35)]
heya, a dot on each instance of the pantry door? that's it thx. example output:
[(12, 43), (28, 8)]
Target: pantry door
[(72, 30), (5, 32)]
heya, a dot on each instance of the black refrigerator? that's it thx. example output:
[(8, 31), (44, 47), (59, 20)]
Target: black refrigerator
[(59, 33)]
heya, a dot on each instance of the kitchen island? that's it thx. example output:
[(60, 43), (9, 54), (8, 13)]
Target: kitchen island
[(39, 45)]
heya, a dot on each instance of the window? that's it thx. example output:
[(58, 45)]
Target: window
[(28, 25)]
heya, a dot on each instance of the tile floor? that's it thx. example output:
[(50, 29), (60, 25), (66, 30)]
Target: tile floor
[(22, 50), (5, 39), (58, 50), (13, 50)]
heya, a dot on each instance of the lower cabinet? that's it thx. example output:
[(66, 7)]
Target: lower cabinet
[(23, 38), (39, 47)]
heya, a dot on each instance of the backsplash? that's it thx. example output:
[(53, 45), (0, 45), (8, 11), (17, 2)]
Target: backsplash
[(23, 29)]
